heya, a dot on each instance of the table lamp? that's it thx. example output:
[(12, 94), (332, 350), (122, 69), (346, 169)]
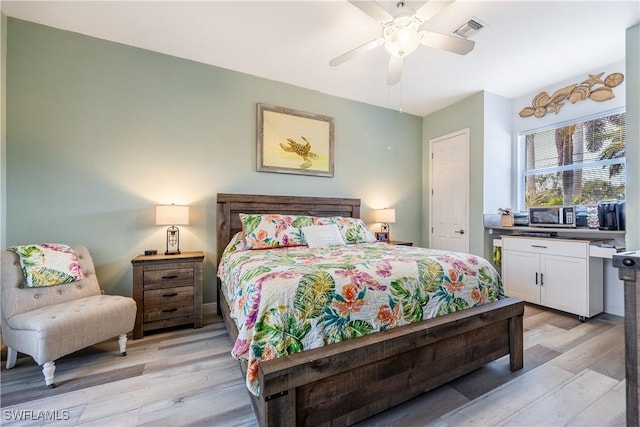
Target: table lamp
[(172, 215), (385, 216)]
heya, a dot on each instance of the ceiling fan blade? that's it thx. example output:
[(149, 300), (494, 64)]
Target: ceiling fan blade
[(373, 9), (446, 42), (355, 52), (395, 70), (431, 8)]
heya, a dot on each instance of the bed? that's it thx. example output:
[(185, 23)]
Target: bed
[(350, 380)]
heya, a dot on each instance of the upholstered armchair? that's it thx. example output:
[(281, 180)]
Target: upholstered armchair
[(50, 322)]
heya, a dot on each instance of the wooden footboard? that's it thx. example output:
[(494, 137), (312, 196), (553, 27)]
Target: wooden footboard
[(346, 382)]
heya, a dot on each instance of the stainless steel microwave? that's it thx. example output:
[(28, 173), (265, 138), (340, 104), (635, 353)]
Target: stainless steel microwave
[(552, 216)]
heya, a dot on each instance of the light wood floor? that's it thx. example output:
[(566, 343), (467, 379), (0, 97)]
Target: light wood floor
[(573, 375)]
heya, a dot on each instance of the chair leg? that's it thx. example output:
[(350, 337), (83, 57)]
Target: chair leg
[(12, 356), (49, 369), (122, 341)]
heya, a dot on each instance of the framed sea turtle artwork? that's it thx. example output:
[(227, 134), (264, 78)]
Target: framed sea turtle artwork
[(296, 142)]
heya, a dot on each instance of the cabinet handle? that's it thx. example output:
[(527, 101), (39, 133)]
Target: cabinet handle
[(541, 279), (459, 231), (539, 246), (170, 295), (536, 277), (169, 310), (173, 276)]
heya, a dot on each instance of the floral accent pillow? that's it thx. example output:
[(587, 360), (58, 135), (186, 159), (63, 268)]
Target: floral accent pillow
[(48, 264), (266, 231), (353, 230)]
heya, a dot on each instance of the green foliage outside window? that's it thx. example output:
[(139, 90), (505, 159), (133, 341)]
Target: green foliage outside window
[(576, 164)]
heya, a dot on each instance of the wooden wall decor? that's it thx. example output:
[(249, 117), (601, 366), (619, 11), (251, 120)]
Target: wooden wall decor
[(593, 88)]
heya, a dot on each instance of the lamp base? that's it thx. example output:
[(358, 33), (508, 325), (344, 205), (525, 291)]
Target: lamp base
[(384, 233), (173, 241)]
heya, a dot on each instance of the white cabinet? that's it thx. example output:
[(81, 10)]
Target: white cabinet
[(555, 273)]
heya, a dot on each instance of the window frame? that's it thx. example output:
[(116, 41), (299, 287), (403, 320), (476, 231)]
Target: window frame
[(522, 152)]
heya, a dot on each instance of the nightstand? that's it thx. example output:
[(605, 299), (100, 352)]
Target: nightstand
[(400, 242), (167, 290)]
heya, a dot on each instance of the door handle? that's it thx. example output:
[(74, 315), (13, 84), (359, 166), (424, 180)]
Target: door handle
[(461, 231)]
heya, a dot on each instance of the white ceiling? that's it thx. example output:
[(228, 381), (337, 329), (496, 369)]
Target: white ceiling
[(526, 45)]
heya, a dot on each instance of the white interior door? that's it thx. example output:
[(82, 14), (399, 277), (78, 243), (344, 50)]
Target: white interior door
[(449, 195)]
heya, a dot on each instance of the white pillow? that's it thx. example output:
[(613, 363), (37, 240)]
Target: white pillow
[(323, 236)]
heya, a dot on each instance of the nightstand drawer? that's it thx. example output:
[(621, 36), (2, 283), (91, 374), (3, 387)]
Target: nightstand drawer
[(167, 311), (183, 294), (168, 277)]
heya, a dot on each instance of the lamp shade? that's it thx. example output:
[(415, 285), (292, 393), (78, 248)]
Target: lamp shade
[(385, 215), (172, 215)]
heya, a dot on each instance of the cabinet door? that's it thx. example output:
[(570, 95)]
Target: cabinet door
[(519, 270), (565, 284)]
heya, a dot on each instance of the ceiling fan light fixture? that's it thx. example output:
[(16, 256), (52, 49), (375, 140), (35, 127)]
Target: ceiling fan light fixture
[(401, 36)]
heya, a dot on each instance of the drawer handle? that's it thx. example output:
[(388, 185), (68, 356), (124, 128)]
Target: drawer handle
[(169, 310), (170, 295), (173, 276), (539, 246)]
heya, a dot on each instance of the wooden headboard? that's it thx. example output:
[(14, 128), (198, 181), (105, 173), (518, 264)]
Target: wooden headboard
[(230, 205)]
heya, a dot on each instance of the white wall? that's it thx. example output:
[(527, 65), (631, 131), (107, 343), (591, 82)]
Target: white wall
[(613, 288), (568, 113), (498, 147)]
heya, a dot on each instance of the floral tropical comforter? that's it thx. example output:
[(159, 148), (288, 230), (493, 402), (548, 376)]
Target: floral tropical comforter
[(293, 299)]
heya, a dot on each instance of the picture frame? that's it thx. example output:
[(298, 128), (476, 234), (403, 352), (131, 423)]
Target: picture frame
[(294, 142), (382, 236)]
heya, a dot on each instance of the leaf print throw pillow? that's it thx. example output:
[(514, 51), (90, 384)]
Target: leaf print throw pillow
[(266, 231), (48, 264)]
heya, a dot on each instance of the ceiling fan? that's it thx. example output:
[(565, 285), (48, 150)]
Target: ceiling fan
[(401, 34)]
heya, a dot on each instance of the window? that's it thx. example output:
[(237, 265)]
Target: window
[(577, 163)]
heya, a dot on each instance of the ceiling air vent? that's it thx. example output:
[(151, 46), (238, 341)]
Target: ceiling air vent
[(469, 28)]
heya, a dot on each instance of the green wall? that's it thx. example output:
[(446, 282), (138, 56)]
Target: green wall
[(98, 133), (468, 113)]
